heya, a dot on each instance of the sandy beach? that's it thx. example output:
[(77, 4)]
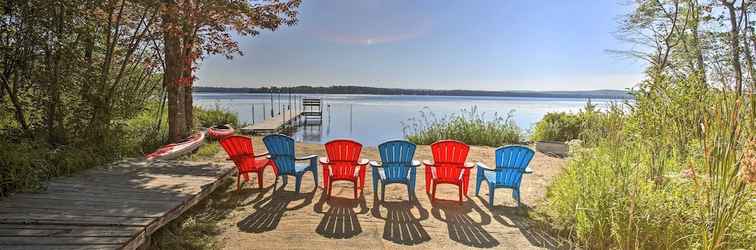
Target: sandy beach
[(263, 219)]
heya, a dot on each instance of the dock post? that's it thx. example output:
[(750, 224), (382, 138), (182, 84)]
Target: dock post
[(253, 113), (271, 102)]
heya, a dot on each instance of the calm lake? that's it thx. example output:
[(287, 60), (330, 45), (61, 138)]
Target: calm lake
[(372, 119)]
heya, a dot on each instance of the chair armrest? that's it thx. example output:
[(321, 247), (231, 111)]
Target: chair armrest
[(363, 162), (484, 166), (527, 170), (324, 160), (376, 164), (263, 154), (415, 163), (305, 157), (428, 163), (469, 165)]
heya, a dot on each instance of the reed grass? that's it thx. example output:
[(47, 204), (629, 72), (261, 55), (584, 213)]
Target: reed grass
[(469, 126)]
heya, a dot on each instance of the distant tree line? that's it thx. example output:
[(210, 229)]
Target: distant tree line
[(361, 90)]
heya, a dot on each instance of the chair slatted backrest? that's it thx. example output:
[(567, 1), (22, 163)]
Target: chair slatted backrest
[(281, 149), (239, 149), (449, 157), (343, 155), (511, 162), (396, 157)]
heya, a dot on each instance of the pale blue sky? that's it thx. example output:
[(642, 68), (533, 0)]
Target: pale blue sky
[(485, 45)]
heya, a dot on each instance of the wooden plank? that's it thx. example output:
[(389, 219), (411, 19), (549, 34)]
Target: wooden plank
[(176, 212), (78, 220), (54, 240), (80, 212), (7, 230), (116, 206), (272, 124)]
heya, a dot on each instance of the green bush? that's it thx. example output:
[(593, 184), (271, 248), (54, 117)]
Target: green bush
[(469, 126), (217, 116), (557, 126), (587, 125)]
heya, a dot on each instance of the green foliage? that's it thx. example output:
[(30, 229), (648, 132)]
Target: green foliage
[(664, 175), (557, 126), (217, 116), (469, 127), (587, 124)]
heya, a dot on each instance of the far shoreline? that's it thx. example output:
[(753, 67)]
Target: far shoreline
[(358, 90)]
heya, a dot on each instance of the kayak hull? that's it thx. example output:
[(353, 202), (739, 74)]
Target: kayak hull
[(175, 150), (220, 132)]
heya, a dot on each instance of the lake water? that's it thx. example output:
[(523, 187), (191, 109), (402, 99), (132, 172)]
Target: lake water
[(372, 119)]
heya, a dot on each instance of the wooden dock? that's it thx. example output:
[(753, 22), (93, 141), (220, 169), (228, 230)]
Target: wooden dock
[(274, 124), (113, 207)]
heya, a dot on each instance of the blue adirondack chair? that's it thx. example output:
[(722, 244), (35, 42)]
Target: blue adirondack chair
[(396, 166), (511, 163), (281, 149)]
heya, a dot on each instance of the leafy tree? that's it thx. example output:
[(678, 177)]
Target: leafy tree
[(195, 28)]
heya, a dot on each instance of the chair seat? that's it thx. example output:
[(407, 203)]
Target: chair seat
[(447, 180), (251, 164), (490, 176), (301, 167), (382, 174)]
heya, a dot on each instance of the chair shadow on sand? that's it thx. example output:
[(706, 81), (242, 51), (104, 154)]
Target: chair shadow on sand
[(269, 211), (402, 226), (340, 220), (518, 217), (462, 227)]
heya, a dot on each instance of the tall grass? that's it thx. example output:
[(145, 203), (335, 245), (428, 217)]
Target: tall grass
[(468, 126), (646, 184)]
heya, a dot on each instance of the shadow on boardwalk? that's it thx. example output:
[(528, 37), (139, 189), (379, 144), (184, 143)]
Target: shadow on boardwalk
[(402, 226), (340, 220)]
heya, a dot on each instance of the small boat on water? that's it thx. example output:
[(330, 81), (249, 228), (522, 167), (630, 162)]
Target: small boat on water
[(174, 150), (220, 131)]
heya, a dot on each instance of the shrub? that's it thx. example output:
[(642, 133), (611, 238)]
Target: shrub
[(469, 126), (587, 125), (557, 126), (217, 116)]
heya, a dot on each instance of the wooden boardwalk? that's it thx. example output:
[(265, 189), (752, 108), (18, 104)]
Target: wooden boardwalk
[(113, 207), (273, 124)]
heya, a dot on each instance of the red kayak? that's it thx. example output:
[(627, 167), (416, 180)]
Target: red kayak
[(220, 131), (174, 150)]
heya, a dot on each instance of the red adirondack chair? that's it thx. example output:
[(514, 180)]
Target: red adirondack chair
[(342, 164), (448, 166), (239, 150)]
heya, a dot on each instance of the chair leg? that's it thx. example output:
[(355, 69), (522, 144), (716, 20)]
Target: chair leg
[(355, 189), (374, 174), (433, 194), (516, 195), (238, 183), (478, 181), (383, 191), (330, 188), (461, 189), (260, 179), (411, 192), (428, 180), (491, 192), (298, 183)]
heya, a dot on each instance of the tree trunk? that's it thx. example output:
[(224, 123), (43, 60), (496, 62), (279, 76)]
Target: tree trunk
[(177, 128), (187, 82), (735, 46)]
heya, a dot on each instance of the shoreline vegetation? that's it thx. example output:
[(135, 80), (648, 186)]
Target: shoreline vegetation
[(361, 90)]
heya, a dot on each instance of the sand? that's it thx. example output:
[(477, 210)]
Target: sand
[(286, 220)]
